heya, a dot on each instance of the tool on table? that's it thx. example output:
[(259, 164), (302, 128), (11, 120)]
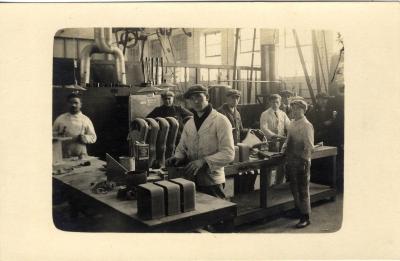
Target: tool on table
[(103, 187)]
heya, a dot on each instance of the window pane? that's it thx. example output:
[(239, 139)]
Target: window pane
[(246, 40), (213, 50), (213, 38)]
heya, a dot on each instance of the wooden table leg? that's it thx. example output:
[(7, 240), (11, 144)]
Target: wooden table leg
[(264, 173), (229, 225), (334, 181)]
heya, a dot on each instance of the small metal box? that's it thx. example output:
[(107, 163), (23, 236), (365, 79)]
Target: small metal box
[(150, 201), (188, 193), (237, 155), (244, 152), (172, 197)]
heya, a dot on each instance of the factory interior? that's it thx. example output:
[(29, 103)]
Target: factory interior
[(135, 91)]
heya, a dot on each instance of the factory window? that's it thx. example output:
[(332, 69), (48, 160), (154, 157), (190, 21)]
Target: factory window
[(246, 40), (246, 46), (213, 44), (179, 45), (289, 64)]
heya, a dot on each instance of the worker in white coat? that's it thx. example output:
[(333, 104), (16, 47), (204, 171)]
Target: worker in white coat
[(206, 144), (76, 125)]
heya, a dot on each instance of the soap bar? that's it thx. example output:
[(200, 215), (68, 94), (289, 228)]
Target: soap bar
[(150, 201), (172, 197), (188, 193), (244, 152)]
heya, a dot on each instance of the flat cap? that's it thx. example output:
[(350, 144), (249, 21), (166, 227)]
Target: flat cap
[(286, 93), (232, 92), (322, 95), (198, 88), (299, 102), (167, 94)]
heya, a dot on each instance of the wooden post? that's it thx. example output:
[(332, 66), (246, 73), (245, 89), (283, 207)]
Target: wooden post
[(326, 55), (316, 66), (322, 71), (234, 85), (197, 75), (303, 64), (249, 85)]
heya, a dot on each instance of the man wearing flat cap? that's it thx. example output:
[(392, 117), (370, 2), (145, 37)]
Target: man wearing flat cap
[(168, 109), (229, 109), (298, 148), (206, 143), (322, 118)]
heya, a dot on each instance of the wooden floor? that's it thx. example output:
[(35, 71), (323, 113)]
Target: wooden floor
[(279, 199)]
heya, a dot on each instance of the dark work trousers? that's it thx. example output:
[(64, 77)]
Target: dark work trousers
[(280, 175), (299, 176), (213, 190)]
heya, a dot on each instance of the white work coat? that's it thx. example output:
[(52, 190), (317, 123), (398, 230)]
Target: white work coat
[(73, 125), (213, 143)]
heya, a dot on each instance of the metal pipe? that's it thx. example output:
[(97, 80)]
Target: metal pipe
[(85, 62), (100, 40)]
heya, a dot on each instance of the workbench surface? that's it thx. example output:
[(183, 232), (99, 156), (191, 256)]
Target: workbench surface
[(209, 210)]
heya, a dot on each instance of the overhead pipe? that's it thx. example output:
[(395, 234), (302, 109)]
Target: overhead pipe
[(101, 36), (85, 62)]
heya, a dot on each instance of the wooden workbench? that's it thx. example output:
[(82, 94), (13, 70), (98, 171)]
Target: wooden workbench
[(209, 210), (269, 201)]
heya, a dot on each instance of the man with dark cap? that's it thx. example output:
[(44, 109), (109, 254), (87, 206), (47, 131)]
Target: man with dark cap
[(206, 143), (229, 109), (76, 125), (285, 106), (298, 148), (168, 109), (322, 118)]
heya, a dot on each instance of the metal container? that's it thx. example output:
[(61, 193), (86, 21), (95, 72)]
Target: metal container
[(141, 156), (127, 162)]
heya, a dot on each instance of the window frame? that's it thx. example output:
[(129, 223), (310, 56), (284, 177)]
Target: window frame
[(251, 40), (219, 44)]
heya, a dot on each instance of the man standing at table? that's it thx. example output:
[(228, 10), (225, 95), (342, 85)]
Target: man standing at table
[(229, 109), (206, 143), (274, 124), (76, 125), (298, 149)]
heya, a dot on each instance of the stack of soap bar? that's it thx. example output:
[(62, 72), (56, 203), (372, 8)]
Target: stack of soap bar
[(188, 193), (150, 201), (172, 197)]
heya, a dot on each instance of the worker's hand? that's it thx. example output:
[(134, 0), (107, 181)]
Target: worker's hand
[(82, 139), (173, 161), (328, 123), (278, 137), (193, 167), (283, 149)]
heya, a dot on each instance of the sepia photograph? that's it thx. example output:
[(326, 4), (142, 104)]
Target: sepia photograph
[(198, 130)]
